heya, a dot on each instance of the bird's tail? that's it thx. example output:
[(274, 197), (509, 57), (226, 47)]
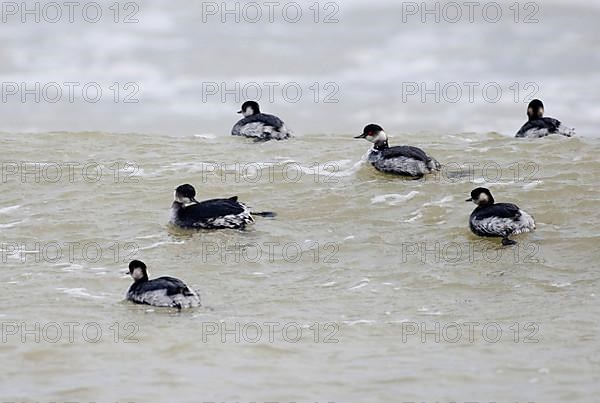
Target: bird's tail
[(433, 164), (267, 214), (566, 131)]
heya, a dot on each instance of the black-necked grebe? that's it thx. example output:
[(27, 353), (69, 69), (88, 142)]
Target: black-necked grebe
[(540, 126), (163, 291), (401, 160), (260, 126), (187, 212), (501, 220)]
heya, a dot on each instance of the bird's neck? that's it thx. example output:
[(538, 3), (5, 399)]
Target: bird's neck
[(141, 280), (485, 205), (535, 116), (381, 145)]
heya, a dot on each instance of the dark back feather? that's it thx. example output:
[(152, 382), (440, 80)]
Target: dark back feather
[(266, 119), (173, 286), (405, 151), (549, 124), (501, 210), (210, 209)]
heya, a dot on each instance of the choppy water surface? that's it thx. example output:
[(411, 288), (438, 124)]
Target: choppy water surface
[(373, 262)]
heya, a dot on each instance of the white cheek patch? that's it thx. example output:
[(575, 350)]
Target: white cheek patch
[(183, 200), (381, 136), (483, 198), (137, 274), (248, 112)]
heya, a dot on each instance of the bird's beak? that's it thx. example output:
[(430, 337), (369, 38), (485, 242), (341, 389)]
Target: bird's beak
[(469, 200), (240, 112), (362, 136)]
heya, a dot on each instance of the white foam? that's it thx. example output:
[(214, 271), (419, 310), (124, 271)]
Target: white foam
[(79, 292), (206, 136), (10, 225), (445, 200), (6, 210), (532, 185), (416, 216), (362, 283), (340, 168), (358, 322), (157, 244), (148, 236), (394, 198)]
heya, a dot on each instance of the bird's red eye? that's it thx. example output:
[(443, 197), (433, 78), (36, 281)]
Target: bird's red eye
[(370, 134)]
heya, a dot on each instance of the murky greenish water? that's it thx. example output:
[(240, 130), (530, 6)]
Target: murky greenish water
[(364, 288)]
